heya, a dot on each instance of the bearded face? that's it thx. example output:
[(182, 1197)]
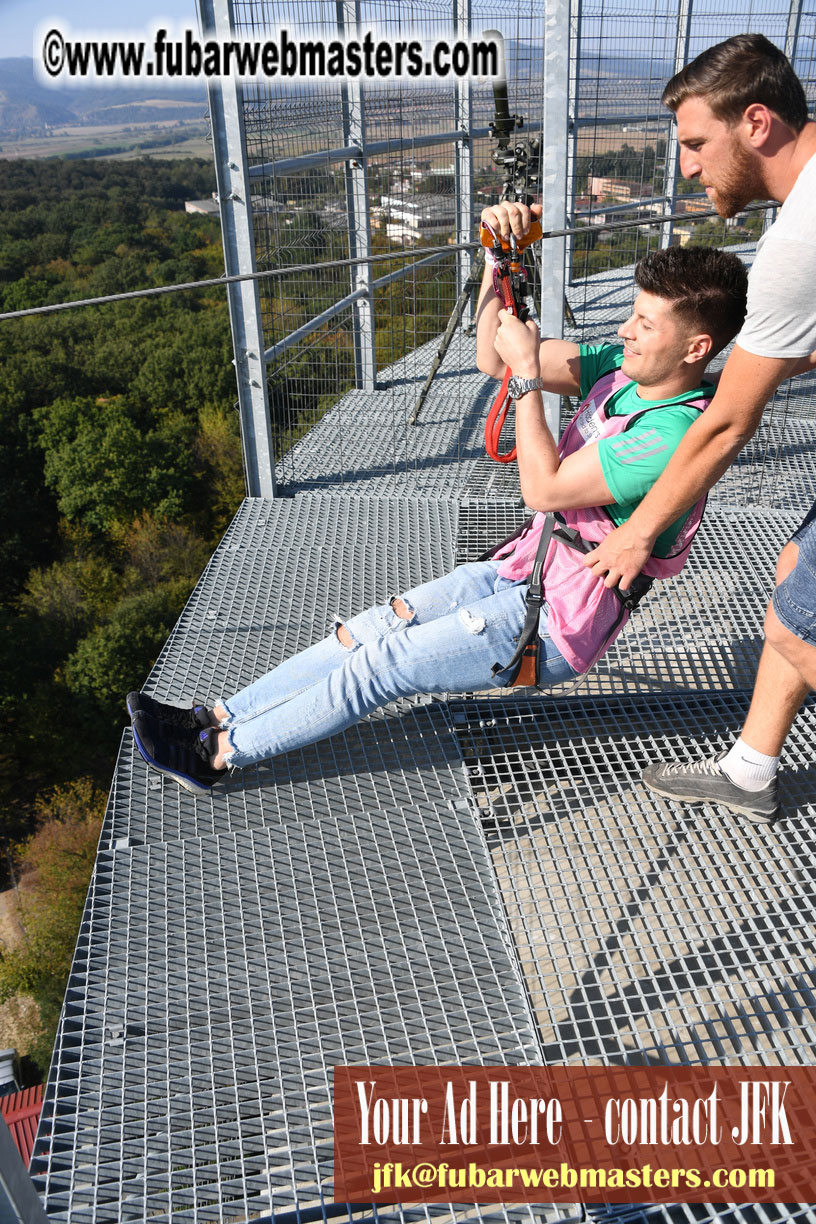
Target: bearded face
[(715, 153), (735, 183)]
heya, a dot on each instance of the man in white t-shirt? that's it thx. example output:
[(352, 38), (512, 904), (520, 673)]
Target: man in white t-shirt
[(743, 130)]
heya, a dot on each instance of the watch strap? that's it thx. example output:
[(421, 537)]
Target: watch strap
[(520, 386)]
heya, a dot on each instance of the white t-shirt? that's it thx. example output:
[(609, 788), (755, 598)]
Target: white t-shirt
[(781, 319)]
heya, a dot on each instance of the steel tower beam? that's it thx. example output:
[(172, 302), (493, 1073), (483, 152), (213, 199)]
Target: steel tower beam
[(554, 184), (358, 211), (681, 47), (226, 101), (463, 153), (574, 122), (792, 33)]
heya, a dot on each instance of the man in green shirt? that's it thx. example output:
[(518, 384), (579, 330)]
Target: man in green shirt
[(461, 631), (633, 462)]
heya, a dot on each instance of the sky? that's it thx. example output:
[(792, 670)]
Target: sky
[(20, 18)]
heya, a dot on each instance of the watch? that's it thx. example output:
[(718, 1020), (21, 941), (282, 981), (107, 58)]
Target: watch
[(520, 386)]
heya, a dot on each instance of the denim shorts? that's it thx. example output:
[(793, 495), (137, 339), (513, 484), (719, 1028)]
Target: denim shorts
[(794, 600)]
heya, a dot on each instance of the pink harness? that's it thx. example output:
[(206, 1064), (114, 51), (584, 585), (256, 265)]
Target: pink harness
[(584, 616)]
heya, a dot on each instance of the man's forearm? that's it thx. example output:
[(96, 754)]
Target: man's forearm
[(536, 450), (487, 324), (699, 461)]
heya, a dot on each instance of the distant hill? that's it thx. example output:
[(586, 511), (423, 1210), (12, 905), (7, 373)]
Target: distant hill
[(28, 108), (613, 62)]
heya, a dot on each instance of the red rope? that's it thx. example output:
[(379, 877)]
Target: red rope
[(501, 405)]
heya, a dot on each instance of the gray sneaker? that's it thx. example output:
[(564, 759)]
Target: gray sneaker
[(704, 782)]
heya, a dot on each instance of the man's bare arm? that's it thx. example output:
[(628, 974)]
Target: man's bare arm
[(547, 481), (560, 363), (709, 447)]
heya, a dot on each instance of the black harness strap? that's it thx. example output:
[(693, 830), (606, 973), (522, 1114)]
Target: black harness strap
[(629, 597), (523, 667), (511, 539)]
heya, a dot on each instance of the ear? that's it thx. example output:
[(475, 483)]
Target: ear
[(757, 122), (699, 348)]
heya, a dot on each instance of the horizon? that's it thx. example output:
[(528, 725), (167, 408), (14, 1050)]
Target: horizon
[(22, 18)]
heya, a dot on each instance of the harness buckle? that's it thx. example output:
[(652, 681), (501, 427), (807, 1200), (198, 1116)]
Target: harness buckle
[(631, 596)]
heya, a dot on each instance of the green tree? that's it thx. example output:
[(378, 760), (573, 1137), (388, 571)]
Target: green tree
[(104, 466), (116, 655), (55, 865)]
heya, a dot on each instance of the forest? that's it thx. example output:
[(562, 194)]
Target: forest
[(121, 468)]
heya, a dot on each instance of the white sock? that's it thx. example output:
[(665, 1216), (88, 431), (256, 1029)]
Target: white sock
[(748, 768)]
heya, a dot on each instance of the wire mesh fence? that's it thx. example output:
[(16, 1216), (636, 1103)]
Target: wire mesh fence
[(393, 175)]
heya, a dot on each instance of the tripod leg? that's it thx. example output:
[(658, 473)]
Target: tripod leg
[(453, 322)]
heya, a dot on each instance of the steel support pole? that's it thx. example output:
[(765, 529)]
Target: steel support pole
[(791, 49), (232, 181), (792, 32), (357, 209), (554, 185), (681, 46), (573, 127), (463, 153)]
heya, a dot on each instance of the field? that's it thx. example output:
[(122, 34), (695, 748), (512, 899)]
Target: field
[(175, 139)]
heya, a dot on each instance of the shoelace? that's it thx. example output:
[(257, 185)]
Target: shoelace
[(710, 767)]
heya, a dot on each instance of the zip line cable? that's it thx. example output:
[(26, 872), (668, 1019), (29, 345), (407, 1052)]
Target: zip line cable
[(453, 249)]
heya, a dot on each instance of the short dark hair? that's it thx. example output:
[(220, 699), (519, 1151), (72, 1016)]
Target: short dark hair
[(734, 74), (706, 287)]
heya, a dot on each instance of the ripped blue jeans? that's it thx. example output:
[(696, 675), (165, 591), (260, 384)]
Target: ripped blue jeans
[(450, 634)]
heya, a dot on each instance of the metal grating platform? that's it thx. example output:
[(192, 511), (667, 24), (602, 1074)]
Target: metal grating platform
[(282, 572), (776, 469), (648, 933), (700, 1213), (218, 980), (484, 522), (703, 629), (482, 880), (365, 443)]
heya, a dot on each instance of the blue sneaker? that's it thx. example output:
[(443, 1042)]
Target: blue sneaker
[(184, 756), (187, 718)]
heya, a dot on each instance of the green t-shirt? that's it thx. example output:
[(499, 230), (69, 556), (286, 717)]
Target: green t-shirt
[(632, 461)]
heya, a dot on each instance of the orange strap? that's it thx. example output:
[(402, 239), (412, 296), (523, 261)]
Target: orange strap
[(495, 423), (488, 238)]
